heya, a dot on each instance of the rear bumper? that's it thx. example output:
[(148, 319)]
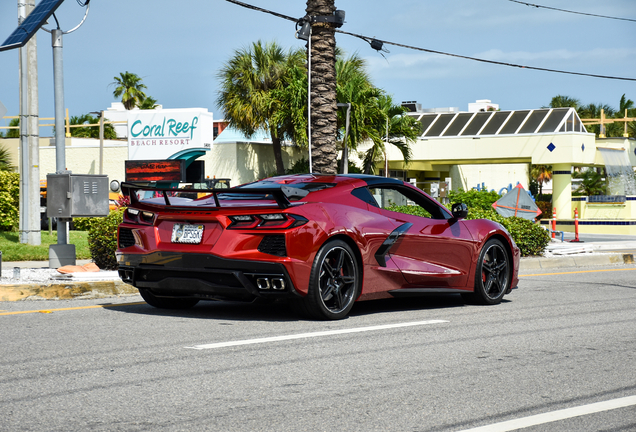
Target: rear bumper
[(204, 276)]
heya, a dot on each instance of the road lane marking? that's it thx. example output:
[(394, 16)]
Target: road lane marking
[(72, 308), (554, 416), (576, 272), (312, 335)]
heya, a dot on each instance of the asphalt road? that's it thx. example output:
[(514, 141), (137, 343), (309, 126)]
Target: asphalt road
[(558, 354)]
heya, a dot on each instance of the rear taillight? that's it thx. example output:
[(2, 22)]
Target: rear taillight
[(132, 215), (266, 221)]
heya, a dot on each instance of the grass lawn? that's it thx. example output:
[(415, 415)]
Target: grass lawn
[(13, 250)]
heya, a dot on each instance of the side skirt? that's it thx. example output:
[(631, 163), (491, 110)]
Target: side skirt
[(417, 292)]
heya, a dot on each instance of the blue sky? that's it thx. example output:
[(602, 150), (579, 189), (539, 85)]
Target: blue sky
[(178, 47)]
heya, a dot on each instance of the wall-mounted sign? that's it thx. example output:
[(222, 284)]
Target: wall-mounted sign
[(159, 134)]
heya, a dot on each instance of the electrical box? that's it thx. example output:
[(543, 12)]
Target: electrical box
[(77, 195)]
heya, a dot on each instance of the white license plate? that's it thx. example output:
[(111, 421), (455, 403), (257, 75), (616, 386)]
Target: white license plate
[(187, 233)]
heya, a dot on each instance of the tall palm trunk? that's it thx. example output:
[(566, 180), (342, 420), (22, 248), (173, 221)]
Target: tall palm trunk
[(323, 89)]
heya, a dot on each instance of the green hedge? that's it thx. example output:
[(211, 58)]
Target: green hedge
[(102, 239), (9, 200), (83, 223), (529, 236), (546, 209)]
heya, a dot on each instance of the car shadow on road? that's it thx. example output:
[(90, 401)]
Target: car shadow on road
[(402, 304), (281, 311), (218, 310)]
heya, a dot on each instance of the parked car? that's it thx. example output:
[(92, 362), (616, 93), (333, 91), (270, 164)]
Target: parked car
[(321, 241)]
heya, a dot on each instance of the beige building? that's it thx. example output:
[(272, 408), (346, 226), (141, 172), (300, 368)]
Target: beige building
[(494, 149)]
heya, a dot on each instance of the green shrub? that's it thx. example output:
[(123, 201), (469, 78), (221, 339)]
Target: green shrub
[(83, 224), (546, 209), (9, 200), (414, 210), (529, 236), (474, 199), (102, 239)]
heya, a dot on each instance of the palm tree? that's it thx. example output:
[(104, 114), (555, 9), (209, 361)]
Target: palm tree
[(5, 159), (247, 82), (626, 105), (560, 101), (371, 108), (130, 88), (288, 103), (323, 89), (90, 131), (354, 86), (13, 133), (594, 111), (592, 183), (149, 103), (542, 174), (403, 130)]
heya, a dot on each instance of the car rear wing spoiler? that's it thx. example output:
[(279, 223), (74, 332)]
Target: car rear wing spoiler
[(280, 193)]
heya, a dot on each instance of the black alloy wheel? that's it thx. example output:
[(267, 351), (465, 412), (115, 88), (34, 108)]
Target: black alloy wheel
[(492, 276)]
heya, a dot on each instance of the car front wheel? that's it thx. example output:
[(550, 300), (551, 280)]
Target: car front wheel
[(492, 276)]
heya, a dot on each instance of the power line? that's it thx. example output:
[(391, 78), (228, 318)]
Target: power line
[(256, 8), (375, 41), (573, 12), (368, 39)]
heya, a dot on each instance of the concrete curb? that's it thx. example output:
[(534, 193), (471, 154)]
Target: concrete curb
[(65, 290), (100, 289), (575, 261)]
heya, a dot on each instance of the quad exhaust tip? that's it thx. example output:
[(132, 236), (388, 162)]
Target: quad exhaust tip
[(126, 275), (265, 283)]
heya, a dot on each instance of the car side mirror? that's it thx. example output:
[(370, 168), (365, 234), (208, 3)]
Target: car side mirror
[(460, 210)]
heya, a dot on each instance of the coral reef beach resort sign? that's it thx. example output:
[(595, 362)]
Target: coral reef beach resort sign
[(159, 134)]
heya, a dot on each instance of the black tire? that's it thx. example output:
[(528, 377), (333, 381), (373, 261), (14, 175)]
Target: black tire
[(492, 275), (334, 283), (166, 302)]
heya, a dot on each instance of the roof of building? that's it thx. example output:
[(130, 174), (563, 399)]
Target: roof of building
[(498, 123)]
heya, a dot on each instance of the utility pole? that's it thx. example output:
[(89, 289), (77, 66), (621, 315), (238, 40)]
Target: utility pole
[(29, 136)]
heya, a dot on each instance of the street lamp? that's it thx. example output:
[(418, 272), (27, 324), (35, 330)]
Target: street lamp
[(61, 253), (345, 149), (305, 34), (101, 139)]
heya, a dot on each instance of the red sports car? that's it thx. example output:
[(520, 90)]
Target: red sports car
[(321, 241)]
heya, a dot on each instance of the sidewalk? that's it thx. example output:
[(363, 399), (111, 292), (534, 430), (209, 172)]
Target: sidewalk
[(609, 251), (36, 283)]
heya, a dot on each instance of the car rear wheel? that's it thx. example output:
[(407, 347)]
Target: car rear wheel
[(334, 283), (492, 276), (166, 302)]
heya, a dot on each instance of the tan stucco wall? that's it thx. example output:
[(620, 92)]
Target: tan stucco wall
[(605, 211), (493, 176), (247, 162), (572, 148)]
